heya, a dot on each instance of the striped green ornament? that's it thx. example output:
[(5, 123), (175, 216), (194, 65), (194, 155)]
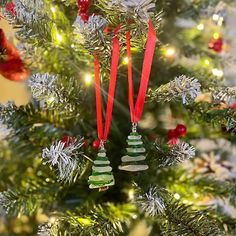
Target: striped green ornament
[(102, 176), (136, 154)]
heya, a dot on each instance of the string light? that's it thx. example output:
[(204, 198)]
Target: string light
[(126, 60), (131, 194), (53, 9), (207, 62), (216, 35), (177, 196), (88, 79), (217, 72), (200, 26), (169, 52), (59, 37)]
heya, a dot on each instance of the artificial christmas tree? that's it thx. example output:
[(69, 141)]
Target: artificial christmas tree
[(69, 142)]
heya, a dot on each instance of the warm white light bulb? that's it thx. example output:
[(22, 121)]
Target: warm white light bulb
[(207, 62), (53, 9), (88, 79), (200, 26), (126, 60), (170, 52), (177, 196), (59, 37)]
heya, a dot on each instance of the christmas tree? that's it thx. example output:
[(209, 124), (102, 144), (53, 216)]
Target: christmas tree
[(131, 122)]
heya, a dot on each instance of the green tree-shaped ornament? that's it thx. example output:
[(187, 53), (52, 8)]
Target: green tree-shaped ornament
[(136, 153), (102, 176)]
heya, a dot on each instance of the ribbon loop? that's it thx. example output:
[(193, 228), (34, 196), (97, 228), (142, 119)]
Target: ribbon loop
[(103, 134), (137, 109)]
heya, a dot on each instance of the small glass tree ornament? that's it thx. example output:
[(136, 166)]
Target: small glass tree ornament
[(135, 158), (102, 176)]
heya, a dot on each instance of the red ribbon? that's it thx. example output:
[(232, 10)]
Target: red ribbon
[(103, 133), (137, 109)]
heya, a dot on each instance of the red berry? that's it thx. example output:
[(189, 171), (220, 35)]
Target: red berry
[(181, 130), (66, 140), (173, 141), (83, 5), (84, 16), (216, 44), (96, 144), (233, 106), (172, 134)]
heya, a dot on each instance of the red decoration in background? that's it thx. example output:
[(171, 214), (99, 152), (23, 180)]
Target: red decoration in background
[(83, 5), (233, 106), (96, 144), (83, 9), (10, 7), (216, 44), (11, 65), (173, 135), (66, 140), (181, 130)]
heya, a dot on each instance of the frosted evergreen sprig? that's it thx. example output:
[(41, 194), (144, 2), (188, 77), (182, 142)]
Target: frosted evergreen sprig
[(90, 33), (6, 199), (181, 87), (151, 203), (44, 230), (7, 110), (141, 9), (175, 154), (28, 11), (3, 199), (43, 86), (4, 130), (67, 159), (224, 94)]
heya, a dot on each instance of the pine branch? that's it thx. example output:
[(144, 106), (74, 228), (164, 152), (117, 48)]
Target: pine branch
[(4, 130), (106, 219), (224, 94), (30, 20), (166, 155), (91, 35), (178, 219), (122, 13), (181, 87), (27, 200), (43, 86), (213, 114), (67, 159)]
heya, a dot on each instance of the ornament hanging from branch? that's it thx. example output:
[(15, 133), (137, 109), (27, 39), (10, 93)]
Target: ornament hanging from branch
[(135, 158)]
